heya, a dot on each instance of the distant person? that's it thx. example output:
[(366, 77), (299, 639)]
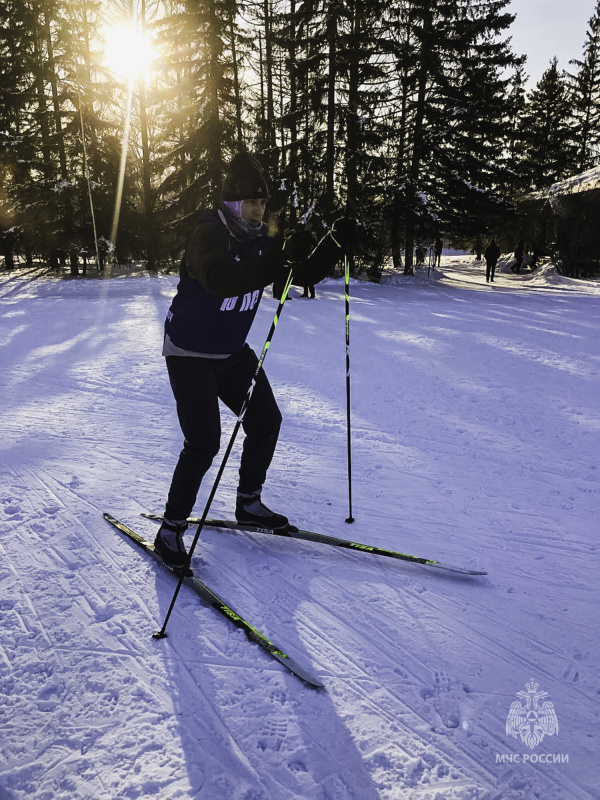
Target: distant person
[(538, 252), (519, 256), (492, 254), (438, 247), (420, 255), (304, 243)]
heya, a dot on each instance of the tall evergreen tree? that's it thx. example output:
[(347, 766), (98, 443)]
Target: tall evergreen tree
[(89, 129), (474, 176), (365, 89), (198, 117), (586, 97), (15, 142), (547, 127), (453, 101), (420, 37), (408, 112), (517, 98)]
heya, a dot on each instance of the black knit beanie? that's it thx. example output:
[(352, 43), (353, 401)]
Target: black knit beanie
[(245, 179)]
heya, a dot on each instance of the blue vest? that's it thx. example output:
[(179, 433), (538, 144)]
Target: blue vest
[(199, 320)]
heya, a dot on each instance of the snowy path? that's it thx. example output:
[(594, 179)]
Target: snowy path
[(475, 438)]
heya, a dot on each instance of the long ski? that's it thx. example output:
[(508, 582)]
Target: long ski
[(220, 605), (292, 532)]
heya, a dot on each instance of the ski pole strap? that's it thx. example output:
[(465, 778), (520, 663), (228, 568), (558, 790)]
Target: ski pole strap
[(334, 239)]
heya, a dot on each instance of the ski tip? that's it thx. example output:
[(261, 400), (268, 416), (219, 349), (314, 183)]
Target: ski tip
[(309, 679)]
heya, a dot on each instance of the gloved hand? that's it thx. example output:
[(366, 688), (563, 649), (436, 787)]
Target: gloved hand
[(345, 232), (299, 246)]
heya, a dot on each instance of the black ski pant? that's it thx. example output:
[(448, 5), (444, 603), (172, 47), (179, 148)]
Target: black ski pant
[(490, 270), (198, 384)]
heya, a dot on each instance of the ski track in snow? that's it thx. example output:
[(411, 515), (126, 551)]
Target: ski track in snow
[(475, 429)]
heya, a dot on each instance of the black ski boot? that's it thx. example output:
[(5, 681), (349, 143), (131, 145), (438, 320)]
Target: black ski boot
[(169, 543), (249, 510)]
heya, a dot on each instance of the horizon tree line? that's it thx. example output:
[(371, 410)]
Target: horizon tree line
[(412, 115)]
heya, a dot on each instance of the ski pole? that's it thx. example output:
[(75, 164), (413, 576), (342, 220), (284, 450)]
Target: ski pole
[(161, 634), (347, 295)]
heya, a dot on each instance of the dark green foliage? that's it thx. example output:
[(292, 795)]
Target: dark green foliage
[(549, 153), (585, 88), (453, 114), (411, 114)]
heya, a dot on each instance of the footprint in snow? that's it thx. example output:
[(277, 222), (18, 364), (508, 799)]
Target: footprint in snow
[(51, 510), (12, 510), (273, 735)]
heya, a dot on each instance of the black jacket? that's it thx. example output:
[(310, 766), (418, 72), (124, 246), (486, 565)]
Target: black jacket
[(222, 279), (492, 253)]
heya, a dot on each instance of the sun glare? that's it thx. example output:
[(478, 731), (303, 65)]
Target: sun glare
[(127, 53)]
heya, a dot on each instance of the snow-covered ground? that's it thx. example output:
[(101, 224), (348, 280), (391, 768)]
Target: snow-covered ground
[(476, 428)]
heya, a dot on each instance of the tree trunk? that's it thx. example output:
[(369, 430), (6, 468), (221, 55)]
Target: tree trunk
[(331, 116), (353, 127), (272, 154), (292, 71), (398, 206), (417, 144), (60, 137), (7, 251), (146, 184), (396, 239), (214, 144), (74, 262), (43, 113), (236, 85)]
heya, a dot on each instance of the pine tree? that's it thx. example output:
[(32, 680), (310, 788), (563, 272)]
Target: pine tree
[(547, 128), (453, 104), (517, 98), (91, 132), (365, 89), (474, 179), (311, 109), (586, 97), (15, 144), (402, 113), (420, 37), (197, 117)]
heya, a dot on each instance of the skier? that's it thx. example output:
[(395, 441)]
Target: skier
[(229, 260), (439, 246), (306, 240), (492, 254), (519, 256)]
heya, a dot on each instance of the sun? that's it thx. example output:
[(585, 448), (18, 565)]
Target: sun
[(127, 53)]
